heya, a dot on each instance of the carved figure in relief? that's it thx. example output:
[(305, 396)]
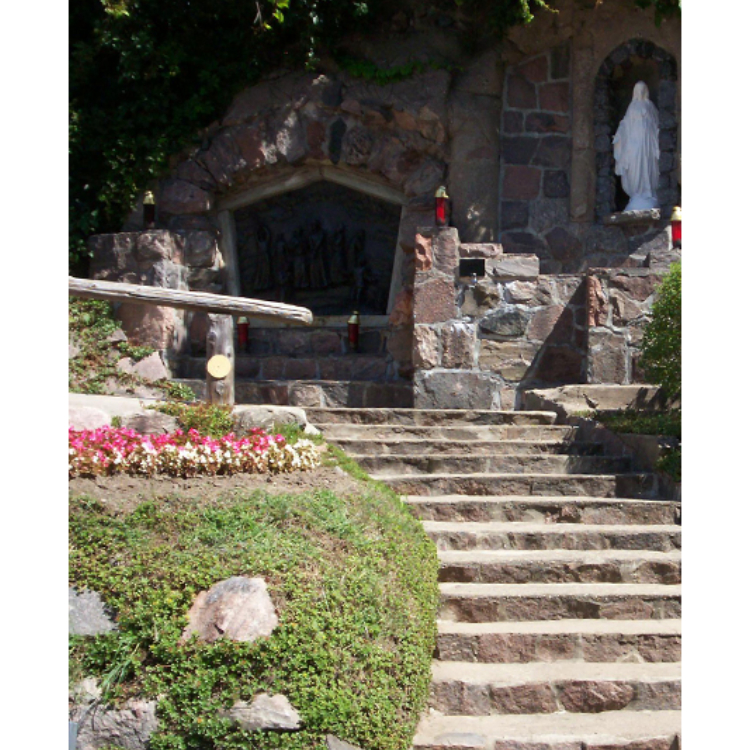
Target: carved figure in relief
[(317, 253), (339, 271), (263, 279), (282, 268), (636, 151), (301, 276)]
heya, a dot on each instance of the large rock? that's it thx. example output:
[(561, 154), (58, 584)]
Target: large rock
[(247, 417), (87, 614), (334, 743), (237, 608), (128, 728), (150, 423), (264, 713), (87, 418)]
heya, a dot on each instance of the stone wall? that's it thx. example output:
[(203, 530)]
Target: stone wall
[(536, 152), (617, 310), (481, 345)]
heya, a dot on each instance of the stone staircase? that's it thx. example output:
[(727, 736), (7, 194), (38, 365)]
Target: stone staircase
[(559, 625)]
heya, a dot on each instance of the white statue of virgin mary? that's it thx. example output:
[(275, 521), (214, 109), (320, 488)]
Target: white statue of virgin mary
[(636, 145)]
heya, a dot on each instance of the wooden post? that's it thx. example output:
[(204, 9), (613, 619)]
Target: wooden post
[(220, 342)]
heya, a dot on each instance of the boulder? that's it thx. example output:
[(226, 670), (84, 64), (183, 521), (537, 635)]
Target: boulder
[(128, 728), (87, 418), (237, 608), (150, 423), (265, 712), (87, 614), (248, 416)]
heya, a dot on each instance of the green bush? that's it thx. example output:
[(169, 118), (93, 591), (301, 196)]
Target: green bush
[(662, 339), (354, 581), (214, 420)]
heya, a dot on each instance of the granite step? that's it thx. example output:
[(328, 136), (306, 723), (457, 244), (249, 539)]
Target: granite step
[(480, 689), (547, 510), (635, 485), (463, 433), (501, 602), (470, 443), (429, 417), (497, 463), (609, 730), (560, 640), (559, 566), (499, 535)]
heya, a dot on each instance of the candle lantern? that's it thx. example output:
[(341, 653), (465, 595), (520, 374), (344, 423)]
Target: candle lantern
[(441, 207), (242, 329), (149, 210), (354, 331), (676, 220)]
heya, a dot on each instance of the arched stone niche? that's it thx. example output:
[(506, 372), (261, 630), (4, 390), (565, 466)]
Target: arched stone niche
[(633, 61), (358, 222)]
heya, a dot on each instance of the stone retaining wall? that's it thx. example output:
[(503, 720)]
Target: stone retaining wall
[(482, 345)]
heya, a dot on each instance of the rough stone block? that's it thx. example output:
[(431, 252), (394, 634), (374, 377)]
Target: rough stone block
[(482, 298), (518, 149), (113, 255), (422, 253), (480, 250), (509, 267), (554, 151), (456, 390), (458, 345), (434, 300), (150, 423), (148, 325), (237, 608), (426, 352), (506, 321), (128, 727), (521, 182), (445, 244), (514, 215), (607, 357), (556, 184), (554, 97), (403, 308), (510, 359), (513, 122), (563, 246), (520, 93), (200, 249), (594, 696), (264, 713), (181, 197), (87, 614), (560, 364), (535, 70), (544, 122)]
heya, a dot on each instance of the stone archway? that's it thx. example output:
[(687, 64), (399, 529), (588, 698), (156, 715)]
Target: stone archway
[(634, 60)]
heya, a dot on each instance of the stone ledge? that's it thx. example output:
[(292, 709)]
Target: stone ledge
[(633, 218)]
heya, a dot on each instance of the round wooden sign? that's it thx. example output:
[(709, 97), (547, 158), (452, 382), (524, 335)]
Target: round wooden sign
[(218, 366)]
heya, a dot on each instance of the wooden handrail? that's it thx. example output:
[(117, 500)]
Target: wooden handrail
[(220, 309)]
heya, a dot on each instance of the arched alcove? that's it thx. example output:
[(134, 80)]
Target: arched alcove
[(633, 61), (323, 238)]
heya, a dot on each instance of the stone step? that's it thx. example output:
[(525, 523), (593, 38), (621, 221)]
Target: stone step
[(497, 535), (316, 393), (480, 689), (501, 602), (453, 433), (547, 510), (429, 417), (609, 730), (498, 463), (634, 485), (559, 566), (560, 640), (407, 446)]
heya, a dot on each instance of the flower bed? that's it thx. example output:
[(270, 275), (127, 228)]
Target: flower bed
[(114, 450)]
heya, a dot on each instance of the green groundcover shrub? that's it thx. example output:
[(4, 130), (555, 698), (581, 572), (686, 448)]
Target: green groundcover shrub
[(354, 581)]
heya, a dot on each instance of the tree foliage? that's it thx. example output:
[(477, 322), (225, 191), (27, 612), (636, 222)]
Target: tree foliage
[(662, 340)]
